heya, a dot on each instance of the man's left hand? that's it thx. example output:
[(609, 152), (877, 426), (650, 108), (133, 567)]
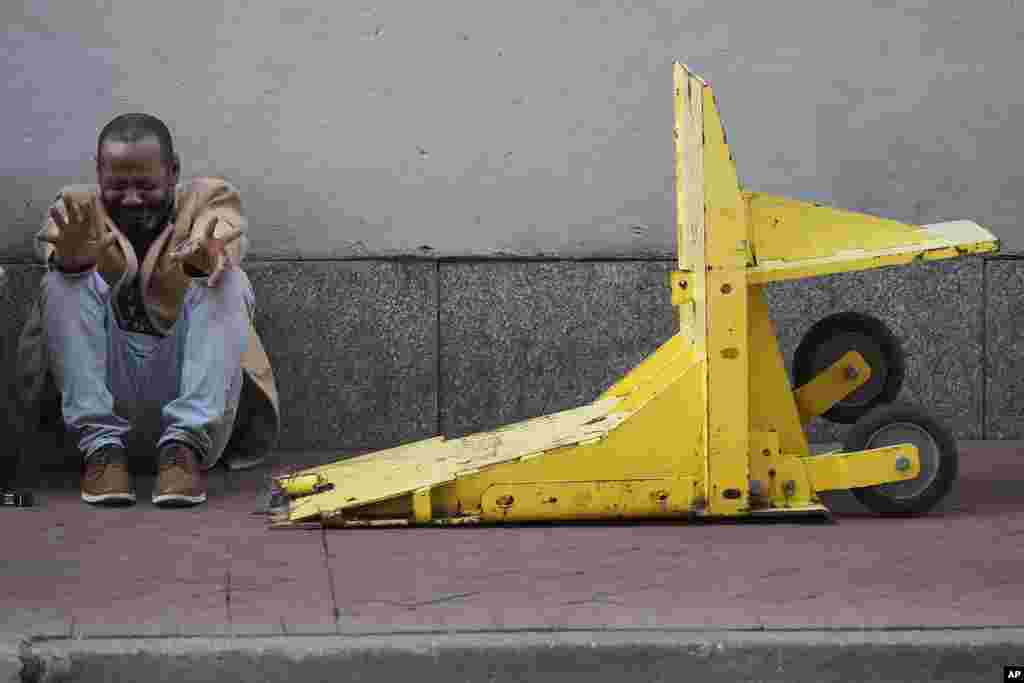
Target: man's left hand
[(212, 249)]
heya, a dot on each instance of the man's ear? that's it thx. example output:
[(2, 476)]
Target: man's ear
[(175, 168)]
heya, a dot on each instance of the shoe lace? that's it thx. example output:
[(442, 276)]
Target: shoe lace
[(98, 462), (176, 457)]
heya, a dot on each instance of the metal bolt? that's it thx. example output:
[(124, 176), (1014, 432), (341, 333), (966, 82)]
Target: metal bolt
[(766, 452), (726, 288), (902, 463), (789, 488), (683, 284), (504, 501)]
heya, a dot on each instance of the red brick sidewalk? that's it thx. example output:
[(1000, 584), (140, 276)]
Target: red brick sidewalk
[(70, 569)]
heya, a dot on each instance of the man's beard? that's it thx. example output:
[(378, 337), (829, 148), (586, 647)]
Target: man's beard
[(142, 221)]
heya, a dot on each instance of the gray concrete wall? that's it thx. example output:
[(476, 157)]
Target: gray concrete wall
[(462, 136), (376, 353), (479, 128), (524, 339)]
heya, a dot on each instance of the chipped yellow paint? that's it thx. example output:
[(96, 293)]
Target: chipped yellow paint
[(690, 201), (422, 509), (558, 500), (652, 367), (789, 484), (302, 484), (841, 471), (765, 452), (708, 425), (725, 236), (772, 402), (846, 251), (681, 284), (831, 385), (380, 476), (792, 230)]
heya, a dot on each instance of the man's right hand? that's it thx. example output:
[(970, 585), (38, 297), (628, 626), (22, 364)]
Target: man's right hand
[(76, 239)]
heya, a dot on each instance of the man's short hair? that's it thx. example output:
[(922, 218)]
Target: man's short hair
[(134, 127)]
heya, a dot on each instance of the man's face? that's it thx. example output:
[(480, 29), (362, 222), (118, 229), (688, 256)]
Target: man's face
[(136, 184)]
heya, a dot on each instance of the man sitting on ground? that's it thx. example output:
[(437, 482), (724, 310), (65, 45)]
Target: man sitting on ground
[(143, 314)]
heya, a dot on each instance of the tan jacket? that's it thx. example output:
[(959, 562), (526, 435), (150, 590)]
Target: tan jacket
[(164, 284)]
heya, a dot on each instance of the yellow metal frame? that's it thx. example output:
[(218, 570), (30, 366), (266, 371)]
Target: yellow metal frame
[(709, 424)]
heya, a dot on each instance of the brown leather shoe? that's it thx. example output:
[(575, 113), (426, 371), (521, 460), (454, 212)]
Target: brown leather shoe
[(106, 478), (180, 480)]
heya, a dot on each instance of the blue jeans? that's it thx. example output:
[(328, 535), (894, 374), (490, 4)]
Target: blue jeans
[(113, 381)]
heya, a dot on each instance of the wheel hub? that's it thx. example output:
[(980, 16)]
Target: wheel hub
[(833, 350), (928, 451)]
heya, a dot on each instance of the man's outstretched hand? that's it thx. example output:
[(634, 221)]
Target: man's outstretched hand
[(77, 247), (211, 250)]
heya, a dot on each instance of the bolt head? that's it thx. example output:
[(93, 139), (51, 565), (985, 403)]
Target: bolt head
[(902, 463)]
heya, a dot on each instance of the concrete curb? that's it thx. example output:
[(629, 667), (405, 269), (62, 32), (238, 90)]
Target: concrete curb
[(601, 655), (11, 663)]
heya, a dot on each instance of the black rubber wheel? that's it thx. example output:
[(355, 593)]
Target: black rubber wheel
[(902, 423), (830, 338)]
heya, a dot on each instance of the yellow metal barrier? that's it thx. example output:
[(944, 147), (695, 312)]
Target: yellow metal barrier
[(709, 424)]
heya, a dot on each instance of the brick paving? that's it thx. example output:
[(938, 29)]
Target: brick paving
[(71, 568)]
